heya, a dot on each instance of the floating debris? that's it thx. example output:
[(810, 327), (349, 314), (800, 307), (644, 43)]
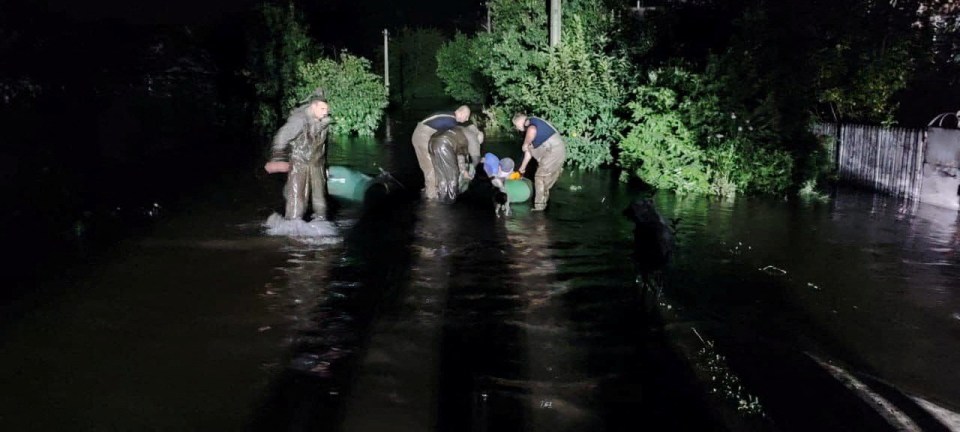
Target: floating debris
[(726, 384), (814, 286), (739, 248), (774, 270)]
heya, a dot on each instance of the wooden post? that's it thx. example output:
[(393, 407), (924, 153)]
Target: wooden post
[(386, 61), (555, 18)]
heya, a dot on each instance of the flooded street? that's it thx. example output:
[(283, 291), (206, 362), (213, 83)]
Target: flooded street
[(417, 316)]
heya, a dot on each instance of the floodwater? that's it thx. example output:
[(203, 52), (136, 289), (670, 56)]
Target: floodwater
[(417, 316)]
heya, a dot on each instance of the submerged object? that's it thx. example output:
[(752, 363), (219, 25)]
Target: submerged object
[(519, 190), (346, 183)]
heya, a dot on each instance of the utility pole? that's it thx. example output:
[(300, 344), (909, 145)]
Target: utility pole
[(555, 23), (489, 28), (386, 61)]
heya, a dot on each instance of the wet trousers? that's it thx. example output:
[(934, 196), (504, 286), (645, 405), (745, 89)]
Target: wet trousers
[(421, 145), (306, 181), (550, 157), (446, 169)]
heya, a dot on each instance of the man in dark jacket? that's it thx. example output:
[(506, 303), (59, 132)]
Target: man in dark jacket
[(454, 154), (300, 149), (436, 122)]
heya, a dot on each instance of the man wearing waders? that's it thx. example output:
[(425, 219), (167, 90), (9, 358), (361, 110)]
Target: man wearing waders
[(542, 142), (300, 149), (437, 122), (454, 154)]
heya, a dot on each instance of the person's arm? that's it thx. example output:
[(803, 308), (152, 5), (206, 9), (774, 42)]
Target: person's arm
[(527, 146), (278, 150), (464, 166)]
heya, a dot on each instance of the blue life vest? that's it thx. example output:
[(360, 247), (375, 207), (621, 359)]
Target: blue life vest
[(544, 130), (441, 121)]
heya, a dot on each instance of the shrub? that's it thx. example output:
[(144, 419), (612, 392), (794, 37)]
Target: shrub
[(573, 86), (659, 148), (458, 66), (357, 96)]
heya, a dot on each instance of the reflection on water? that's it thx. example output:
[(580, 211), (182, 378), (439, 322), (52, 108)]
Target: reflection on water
[(865, 278), (428, 317)]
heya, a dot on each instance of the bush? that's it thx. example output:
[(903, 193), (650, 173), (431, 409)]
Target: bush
[(458, 66), (357, 96), (575, 87), (659, 148)]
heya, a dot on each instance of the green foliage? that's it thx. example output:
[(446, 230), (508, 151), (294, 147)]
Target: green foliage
[(281, 44), (659, 148), (458, 66), (847, 58), (860, 86), (357, 97), (576, 86), (811, 193), (762, 170), (681, 138)]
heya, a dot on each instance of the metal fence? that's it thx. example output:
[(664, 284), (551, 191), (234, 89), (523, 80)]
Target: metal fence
[(885, 159)]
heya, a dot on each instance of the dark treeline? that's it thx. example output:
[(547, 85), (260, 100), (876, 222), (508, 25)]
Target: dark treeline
[(106, 119)]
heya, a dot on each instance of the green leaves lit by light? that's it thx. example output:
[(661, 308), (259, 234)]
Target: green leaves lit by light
[(356, 95)]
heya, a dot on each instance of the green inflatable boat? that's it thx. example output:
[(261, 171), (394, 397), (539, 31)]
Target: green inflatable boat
[(346, 183), (351, 185), (519, 190)]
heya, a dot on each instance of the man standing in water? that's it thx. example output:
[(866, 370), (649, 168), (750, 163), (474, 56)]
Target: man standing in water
[(542, 142), (300, 149), (437, 122), (454, 154)]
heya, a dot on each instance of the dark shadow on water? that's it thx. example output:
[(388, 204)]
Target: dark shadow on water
[(373, 269), (478, 348)]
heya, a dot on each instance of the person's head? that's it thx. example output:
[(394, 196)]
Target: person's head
[(519, 120), (506, 165), (318, 109), (462, 113), (490, 164)]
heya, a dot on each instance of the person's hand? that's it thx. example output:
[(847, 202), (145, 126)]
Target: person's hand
[(277, 167)]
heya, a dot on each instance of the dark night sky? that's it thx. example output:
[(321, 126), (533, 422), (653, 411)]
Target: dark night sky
[(59, 41), (352, 24)]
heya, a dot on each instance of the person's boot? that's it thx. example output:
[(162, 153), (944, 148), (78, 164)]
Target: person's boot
[(540, 196), (319, 215)]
